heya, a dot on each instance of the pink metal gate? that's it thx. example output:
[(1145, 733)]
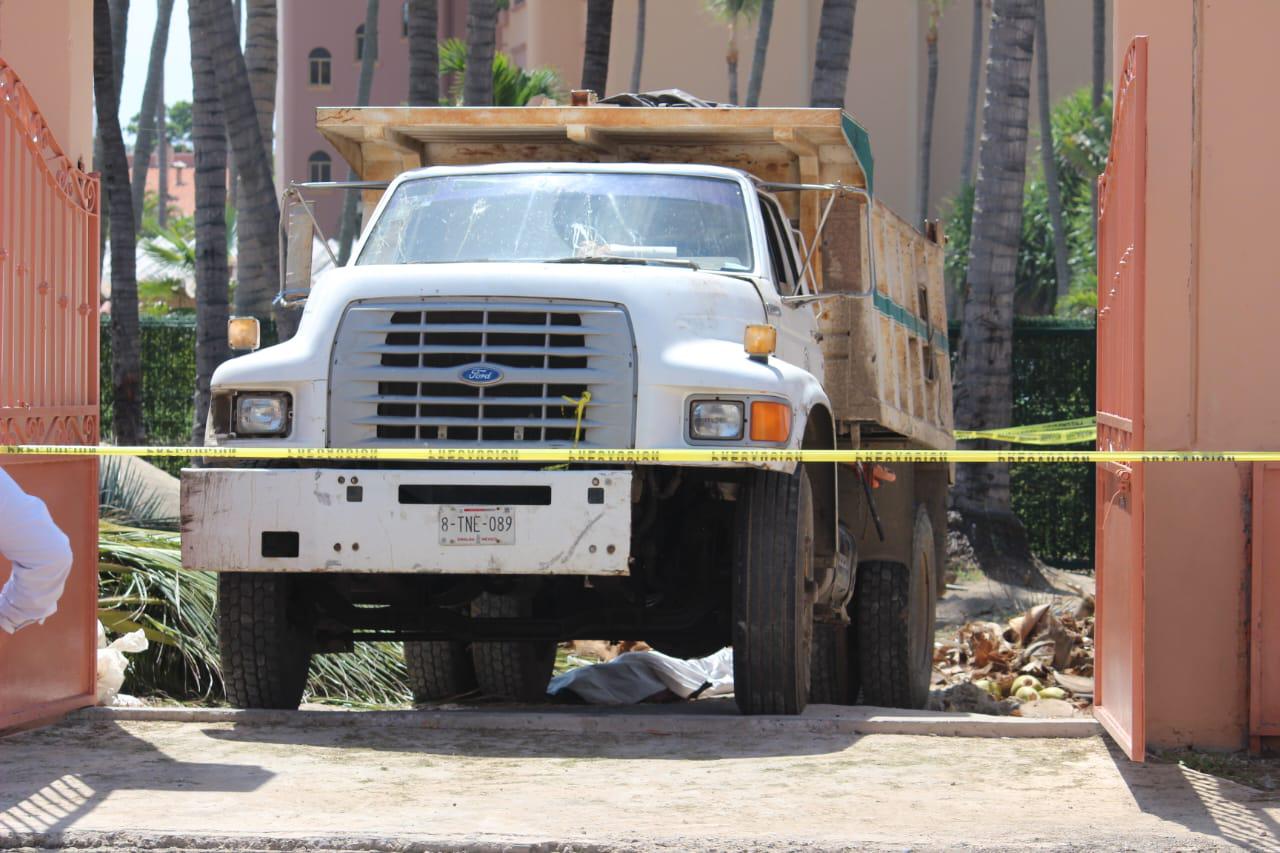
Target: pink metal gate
[(49, 391), (1122, 200)]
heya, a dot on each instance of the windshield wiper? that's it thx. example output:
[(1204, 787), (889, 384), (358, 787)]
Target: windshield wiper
[(623, 259)]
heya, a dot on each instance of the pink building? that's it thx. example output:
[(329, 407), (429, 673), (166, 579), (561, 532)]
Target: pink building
[(319, 66)]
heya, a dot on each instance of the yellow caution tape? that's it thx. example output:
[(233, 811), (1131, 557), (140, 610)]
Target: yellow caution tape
[(628, 456), (1074, 431)]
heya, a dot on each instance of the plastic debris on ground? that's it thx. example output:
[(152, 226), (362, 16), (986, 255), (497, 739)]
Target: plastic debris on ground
[(646, 676), (112, 665), (1039, 663)]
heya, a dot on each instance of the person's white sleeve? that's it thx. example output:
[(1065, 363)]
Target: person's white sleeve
[(40, 554)]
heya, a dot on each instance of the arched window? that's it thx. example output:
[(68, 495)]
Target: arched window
[(319, 167), (360, 44), (318, 67)]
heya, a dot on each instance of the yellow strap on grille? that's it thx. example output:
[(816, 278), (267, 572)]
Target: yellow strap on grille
[(580, 408)]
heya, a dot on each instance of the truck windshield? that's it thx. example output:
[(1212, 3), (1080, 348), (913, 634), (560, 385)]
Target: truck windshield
[(560, 215)]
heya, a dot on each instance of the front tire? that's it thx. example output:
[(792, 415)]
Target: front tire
[(894, 612), (265, 639), (773, 582), (511, 669)]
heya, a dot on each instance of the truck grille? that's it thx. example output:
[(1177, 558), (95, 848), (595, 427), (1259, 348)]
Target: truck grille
[(494, 372)]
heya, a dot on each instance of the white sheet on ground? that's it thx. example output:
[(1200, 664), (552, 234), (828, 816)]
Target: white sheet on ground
[(635, 676)]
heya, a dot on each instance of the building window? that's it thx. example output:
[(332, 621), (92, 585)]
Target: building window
[(360, 45), (404, 20), (318, 62), (319, 167)]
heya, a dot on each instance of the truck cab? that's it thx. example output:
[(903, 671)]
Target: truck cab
[(494, 307)]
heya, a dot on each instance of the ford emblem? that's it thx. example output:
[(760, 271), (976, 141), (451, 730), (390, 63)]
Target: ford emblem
[(480, 374)]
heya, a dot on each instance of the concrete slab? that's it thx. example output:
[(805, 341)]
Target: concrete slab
[(336, 781), (707, 717)]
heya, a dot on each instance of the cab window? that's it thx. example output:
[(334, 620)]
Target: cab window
[(781, 253)]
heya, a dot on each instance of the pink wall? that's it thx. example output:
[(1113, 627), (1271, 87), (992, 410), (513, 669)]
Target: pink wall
[(50, 43), (1211, 348), (331, 24)]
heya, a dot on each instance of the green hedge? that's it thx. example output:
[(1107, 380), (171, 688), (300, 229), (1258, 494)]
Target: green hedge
[(168, 382), (1053, 379)]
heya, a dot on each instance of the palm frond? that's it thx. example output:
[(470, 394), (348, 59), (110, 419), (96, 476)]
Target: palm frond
[(125, 497)]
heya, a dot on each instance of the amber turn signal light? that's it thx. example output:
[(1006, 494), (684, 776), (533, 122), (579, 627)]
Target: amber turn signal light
[(770, 421), (244, 333), (760, 340)]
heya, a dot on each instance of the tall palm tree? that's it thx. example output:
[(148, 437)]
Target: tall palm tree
[(637, 63), (934, 9), (258, 211), (733, 12), (1099, 50), (208, 132), (1047, 158), (482, 23), (1099, 80), (424, 54), (118, 13), (756, 80), (984, 396), (146, 138), (350, 221), (260, 51), (162, 159), (595, 55), (831, 58), (126, 358), (975, 75)]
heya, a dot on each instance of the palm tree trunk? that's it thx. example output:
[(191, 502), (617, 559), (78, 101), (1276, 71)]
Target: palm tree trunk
[(233, 175), (146, 140), (595, 54), (1048, 160), (831, 58), (756, 80), (731, 60), (119, 36), (257, 211), (1099, 80), (209, 138), (350, 212), (126, 359), (975, 73), (1099, 50), (424, 54), (162, 159), (983, 385), (482, 23), (118, 12), (926, 137), (638, 62), (260, 61)]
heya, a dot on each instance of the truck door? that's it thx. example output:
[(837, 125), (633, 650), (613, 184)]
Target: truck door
[(797, 326)]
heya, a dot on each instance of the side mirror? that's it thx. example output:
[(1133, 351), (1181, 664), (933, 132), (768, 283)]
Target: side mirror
[(297, 235)]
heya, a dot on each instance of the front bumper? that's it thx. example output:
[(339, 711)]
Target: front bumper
[(360, 520)]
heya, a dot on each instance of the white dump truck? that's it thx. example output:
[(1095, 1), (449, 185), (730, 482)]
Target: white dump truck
[(600, 277)]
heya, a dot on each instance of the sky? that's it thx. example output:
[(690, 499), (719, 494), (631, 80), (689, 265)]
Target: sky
[(177, 63)]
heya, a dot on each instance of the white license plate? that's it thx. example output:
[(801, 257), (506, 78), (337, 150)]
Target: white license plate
[(477, 525)]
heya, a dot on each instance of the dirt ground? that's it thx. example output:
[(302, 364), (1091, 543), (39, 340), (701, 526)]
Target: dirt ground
[(376, 786)]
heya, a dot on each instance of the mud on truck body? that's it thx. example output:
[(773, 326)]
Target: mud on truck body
[(592, 277)]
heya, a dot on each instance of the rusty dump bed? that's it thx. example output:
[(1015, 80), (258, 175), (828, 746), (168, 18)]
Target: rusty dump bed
[(887, 368)]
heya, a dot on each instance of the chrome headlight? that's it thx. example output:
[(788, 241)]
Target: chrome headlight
[(262, 414), (712, 420)]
